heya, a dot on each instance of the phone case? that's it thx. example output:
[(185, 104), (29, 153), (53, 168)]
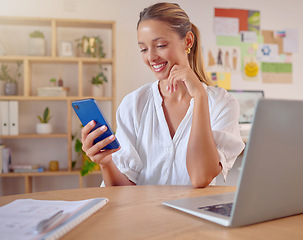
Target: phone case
[(87, 110)]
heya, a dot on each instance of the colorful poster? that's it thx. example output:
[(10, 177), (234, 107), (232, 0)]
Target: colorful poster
[(251, 68), (249, 20), (246, 49), (242, 15), (221, 79), (254, 21), (268, 53), (249, 37), (271, 38), (291, 41), (223, 59), (276, 72), (226, 26)]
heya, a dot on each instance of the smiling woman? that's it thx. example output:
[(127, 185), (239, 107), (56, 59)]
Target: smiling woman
[(178, 130)]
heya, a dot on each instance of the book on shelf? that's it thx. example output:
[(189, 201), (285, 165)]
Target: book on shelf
[(5, 158), (24, 166), (21, 217), (1, 157), (14, 167), (24, 170)]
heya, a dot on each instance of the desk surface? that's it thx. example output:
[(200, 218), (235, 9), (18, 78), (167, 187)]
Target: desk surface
[(136, 212)]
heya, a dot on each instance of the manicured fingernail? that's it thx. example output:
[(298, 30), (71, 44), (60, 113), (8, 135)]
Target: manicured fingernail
[(91, 122), (111, 137), (167, 88), (103, 128)]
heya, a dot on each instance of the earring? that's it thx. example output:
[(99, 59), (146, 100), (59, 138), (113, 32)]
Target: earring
[(188, 50)]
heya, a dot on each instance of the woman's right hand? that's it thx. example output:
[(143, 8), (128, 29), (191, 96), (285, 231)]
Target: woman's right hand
[(93, 151)]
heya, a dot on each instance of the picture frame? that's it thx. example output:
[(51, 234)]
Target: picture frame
[(66, 49)]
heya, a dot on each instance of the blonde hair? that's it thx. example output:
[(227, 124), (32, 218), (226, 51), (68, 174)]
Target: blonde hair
[(179, 22)]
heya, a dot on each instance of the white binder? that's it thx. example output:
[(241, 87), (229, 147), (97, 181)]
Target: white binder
[(5, 118), (6, 157), (0, 118), (13, 118)]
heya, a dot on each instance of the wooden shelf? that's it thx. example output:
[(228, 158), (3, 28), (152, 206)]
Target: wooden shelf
[(79, 89), (50, 59), (46, 173), (53, 135), (68, 98)]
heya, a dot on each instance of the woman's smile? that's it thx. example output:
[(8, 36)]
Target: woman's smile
[(159, 67)]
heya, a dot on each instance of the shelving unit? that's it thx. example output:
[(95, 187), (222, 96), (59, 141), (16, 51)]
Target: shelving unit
[(57, 30)]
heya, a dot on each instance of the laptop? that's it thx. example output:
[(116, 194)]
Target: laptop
[(271, 180), (248, 100)]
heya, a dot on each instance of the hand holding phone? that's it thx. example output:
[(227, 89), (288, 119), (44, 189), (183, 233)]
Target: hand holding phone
[(88, 110)]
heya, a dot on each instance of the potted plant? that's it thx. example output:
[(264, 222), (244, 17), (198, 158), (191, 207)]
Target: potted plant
[(8, 84), (4, 77), (91, 46), (97, 83), (36, 44), (44, 127)]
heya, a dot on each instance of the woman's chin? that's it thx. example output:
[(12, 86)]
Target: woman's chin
[(161, 76)]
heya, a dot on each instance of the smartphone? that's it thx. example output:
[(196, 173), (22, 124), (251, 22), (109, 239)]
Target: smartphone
[(87, 110)]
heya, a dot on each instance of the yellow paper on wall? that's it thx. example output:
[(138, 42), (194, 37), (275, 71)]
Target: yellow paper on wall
[(221, 79)]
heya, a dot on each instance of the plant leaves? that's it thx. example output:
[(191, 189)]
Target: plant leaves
[(78, 145), (87, 167)]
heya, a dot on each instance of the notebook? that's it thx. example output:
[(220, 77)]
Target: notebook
[(20, 218), (271, 180), (248, 100)]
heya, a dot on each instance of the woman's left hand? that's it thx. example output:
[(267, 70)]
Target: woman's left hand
[(185, 75)]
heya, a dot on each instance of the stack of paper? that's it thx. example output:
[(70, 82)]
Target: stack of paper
[(20, 218)]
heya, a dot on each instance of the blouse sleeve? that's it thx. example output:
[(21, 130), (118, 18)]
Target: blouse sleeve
[(127, 158), (224, 119)]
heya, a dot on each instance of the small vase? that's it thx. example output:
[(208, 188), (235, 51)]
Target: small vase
[(37, 47), (98, 90), (44, 128), (11, 89)]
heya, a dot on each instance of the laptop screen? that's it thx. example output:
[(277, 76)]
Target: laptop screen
[(248, 101)]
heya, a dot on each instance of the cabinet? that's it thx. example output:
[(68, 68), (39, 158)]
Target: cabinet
[(76, 72)]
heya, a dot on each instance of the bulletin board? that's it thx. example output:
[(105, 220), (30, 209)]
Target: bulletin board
[(243, 49)]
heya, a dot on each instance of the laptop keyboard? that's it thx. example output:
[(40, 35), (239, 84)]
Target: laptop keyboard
[(223, 209)]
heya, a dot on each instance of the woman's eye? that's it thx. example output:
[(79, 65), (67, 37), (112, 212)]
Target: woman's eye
[(143, 50), (161, 46)]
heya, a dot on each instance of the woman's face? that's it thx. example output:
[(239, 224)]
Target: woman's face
[(161, 48)]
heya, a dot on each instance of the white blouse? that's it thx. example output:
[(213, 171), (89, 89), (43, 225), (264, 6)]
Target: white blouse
[(149, 155)]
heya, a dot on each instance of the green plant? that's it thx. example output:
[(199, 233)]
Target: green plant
[(18, 72), (46, 116), (53, 81), (87, 166), (36, 34), (4, 74), (100, 78), (91, 46)]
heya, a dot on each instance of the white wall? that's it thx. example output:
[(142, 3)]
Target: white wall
[(131, 72)]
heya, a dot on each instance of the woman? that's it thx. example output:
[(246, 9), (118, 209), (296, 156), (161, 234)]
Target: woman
[(179, 129)]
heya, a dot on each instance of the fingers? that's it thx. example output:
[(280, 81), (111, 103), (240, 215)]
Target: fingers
[(93, 151), (96, 148), (184, 76), (176, 75), (102, 157), (86, 130)]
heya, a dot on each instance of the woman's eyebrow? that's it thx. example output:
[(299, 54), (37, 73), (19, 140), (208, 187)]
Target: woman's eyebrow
[(154, 40)]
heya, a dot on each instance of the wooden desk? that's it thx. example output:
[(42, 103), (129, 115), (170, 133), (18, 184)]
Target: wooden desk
[(136, 212)]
